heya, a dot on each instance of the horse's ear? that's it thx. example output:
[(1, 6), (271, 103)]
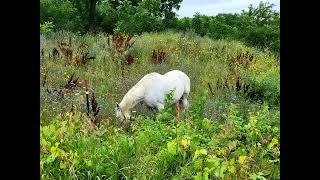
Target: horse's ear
[(118, 106)]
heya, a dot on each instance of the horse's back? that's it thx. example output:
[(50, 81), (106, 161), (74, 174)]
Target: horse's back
[(156, 86), (151, 77), (151, 82), (182, 76)]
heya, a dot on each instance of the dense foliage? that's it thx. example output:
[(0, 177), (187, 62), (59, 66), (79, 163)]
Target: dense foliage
[(257, 26), (231, 130)]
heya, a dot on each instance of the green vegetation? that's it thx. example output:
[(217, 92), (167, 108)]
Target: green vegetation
[(257, 26), (231, 130)]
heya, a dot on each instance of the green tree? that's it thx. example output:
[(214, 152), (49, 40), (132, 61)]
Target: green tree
[(261, 26), (129, 14), (167, 6), (62, 13), (196, 24), (88, 11), (223, 26), (184, 24), (107, 16)]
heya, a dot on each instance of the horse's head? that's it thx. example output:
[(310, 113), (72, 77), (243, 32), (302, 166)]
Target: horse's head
[(122, 114)]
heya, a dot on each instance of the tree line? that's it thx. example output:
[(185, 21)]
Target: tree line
[(256, 26)]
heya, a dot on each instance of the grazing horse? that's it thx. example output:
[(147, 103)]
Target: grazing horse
[(152, 90)]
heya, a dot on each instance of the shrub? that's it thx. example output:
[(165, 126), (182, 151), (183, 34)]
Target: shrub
[(46, 27)]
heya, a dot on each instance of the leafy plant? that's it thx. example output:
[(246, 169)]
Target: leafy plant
[(46, 27)]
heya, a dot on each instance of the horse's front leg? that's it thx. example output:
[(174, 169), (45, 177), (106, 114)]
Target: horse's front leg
[(159, 106)]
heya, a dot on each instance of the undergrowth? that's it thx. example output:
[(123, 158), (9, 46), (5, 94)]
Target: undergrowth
[(230, 131)]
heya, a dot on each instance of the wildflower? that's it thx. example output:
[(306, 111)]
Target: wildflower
[(242, 159), (232, 169), (184, 143)]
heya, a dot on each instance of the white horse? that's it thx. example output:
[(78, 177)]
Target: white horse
[(152, 90)]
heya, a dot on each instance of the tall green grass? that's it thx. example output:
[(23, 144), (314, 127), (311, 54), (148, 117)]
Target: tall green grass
[(230, 134)]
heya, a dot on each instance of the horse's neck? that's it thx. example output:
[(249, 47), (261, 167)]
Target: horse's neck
[(132, 98)]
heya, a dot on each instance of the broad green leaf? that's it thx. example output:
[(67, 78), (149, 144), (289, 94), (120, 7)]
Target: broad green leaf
[(62, 165), (203, 152), (198, 176), (205, 176), (223, 168), (75, 161), (213, 162), (88, 163), (172, 147)]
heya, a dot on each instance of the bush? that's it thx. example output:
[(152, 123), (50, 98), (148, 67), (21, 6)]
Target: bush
[(46, 27), (264, 80)]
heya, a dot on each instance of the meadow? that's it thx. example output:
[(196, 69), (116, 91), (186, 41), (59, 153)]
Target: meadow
[(230, 131)]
